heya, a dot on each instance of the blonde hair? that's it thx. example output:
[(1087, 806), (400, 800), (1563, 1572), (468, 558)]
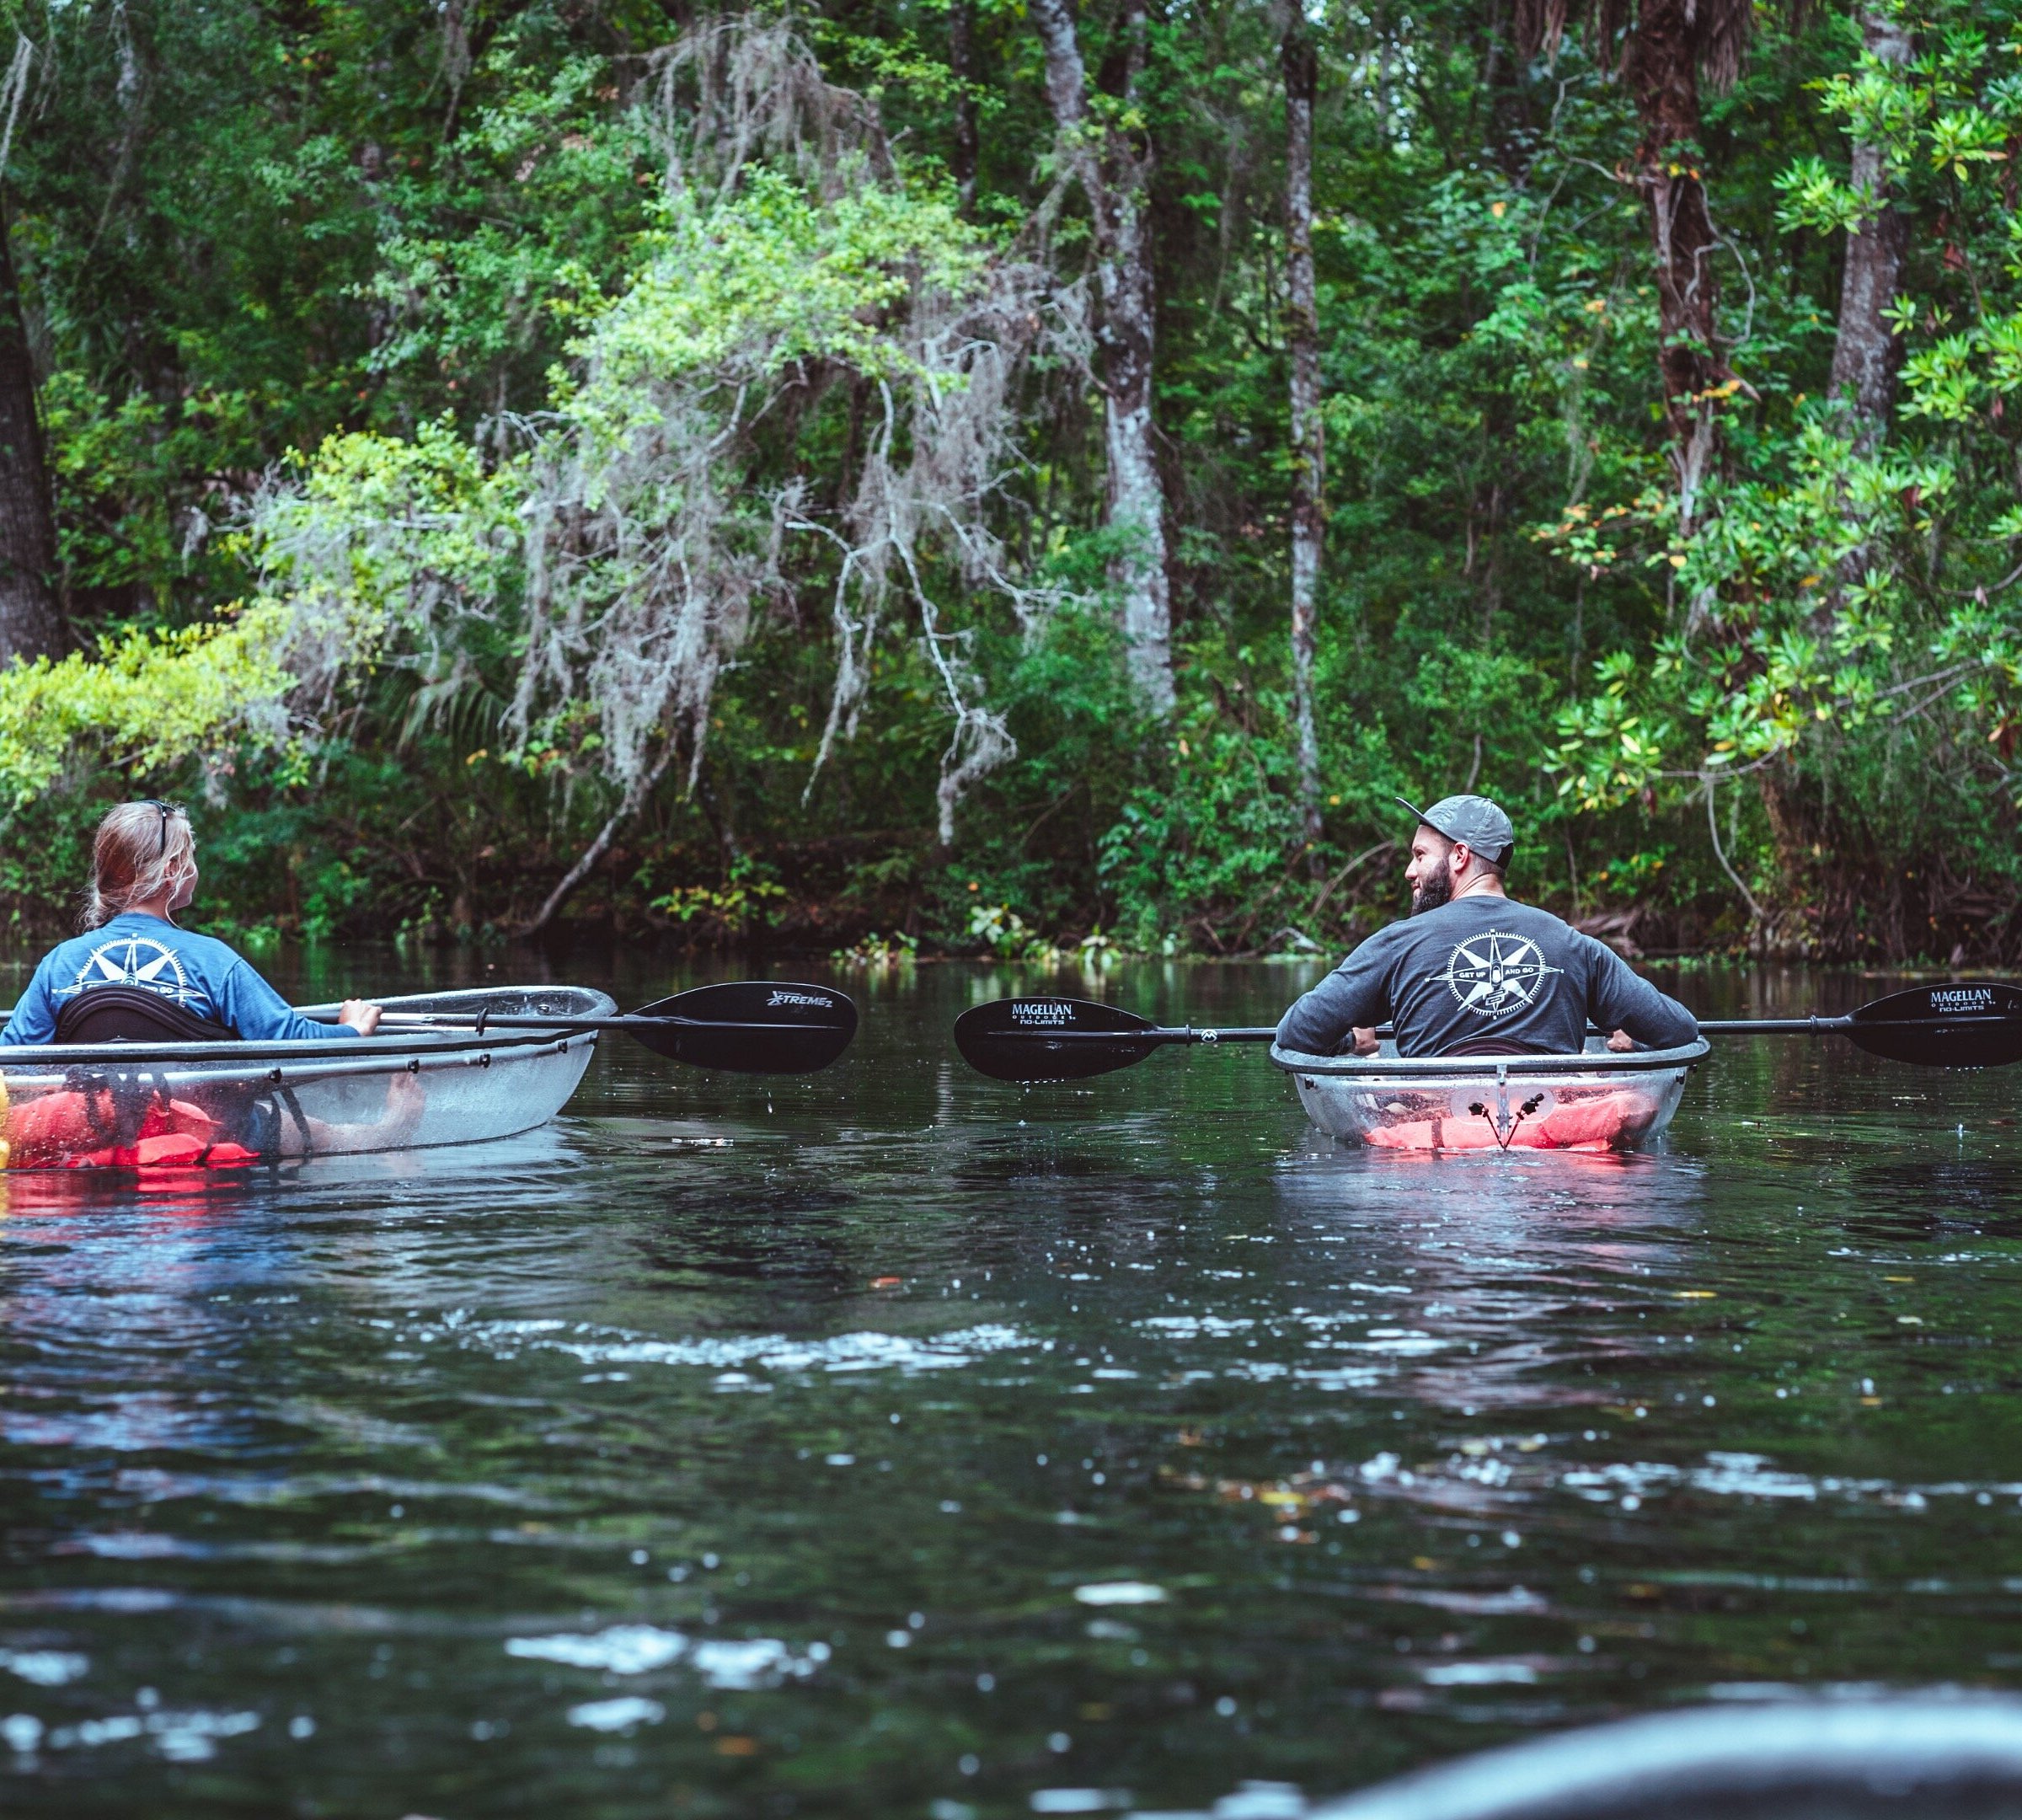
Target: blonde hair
[(138, 850)]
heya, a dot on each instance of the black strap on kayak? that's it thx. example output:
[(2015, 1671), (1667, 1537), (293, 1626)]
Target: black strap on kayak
[(292, 1106)]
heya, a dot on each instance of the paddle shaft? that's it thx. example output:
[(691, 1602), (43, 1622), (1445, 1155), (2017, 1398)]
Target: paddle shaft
[(1787, 1026), (480, 1023), (1804, 1026), (1156, 1033), (730, 1026), (1838, 1026)]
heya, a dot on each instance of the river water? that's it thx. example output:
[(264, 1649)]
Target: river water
[(894, 1442)]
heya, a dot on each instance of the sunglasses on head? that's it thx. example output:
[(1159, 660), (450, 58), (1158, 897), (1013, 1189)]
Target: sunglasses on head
[(169, 812)]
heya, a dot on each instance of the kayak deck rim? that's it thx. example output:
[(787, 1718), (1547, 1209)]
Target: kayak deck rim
[(391, 1048), (1596, 1061)]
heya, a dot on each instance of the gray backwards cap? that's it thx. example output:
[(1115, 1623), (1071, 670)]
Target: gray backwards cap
[(1474, 821)]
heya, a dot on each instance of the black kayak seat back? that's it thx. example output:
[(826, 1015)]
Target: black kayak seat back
[(114, 1013)]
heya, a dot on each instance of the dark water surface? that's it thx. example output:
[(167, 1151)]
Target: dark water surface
[(892, 1443)]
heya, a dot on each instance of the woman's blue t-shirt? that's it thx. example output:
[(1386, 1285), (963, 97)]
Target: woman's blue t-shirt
[(197, 971)]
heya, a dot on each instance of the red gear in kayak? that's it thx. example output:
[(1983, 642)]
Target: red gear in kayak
[(1597, 1121), (69, 1130)]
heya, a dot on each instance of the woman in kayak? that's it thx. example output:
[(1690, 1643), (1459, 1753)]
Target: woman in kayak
[(166, 984), (143, 869)]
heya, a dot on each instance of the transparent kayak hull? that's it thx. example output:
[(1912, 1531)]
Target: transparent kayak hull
[(1598, 1101), (141, 1106)]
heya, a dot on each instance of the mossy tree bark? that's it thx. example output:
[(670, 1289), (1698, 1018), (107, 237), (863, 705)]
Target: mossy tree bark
[(1309, 442), (30, 624), (1108, 153)]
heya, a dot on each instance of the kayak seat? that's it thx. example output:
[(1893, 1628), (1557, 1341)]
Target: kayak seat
[(114, 1013), (1495, 1045)]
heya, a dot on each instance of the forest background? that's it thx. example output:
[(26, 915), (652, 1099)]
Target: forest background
[(946, 474)]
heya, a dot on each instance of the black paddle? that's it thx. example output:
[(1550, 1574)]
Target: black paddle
[(1070, 1039), (745, 1026), (1963, 1024)]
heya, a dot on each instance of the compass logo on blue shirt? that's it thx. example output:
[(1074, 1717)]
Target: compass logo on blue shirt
[(134, 960), (1495, 973)]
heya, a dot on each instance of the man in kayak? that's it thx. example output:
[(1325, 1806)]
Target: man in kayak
[(1472, 972), (143, 869), (164, 984)]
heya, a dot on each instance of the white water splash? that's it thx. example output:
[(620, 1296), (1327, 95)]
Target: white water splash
[(731, 1664), (619, 1715), (731, 1355), (45, 1668), (1120, 1592)]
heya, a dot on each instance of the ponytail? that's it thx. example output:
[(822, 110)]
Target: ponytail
[(138, 851)]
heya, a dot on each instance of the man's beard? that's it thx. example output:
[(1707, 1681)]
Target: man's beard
[(1437, 889)]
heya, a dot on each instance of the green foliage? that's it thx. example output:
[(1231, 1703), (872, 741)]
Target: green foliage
[(749, 899), (1218, 832), (876, 950), (1003, 932), (401, 547), (148, 702), (775, 275), (463, 348), (1847, 620)]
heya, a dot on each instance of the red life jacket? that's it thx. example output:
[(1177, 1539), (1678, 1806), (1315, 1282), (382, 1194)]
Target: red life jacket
[(1592, 1122), (79, 1128)]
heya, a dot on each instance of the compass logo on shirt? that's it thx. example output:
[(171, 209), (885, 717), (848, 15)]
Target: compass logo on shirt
[(133, 960), (1495, 973)]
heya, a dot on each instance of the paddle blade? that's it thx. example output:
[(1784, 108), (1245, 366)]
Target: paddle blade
[(749, 1026), (1050, 1039), (1961, 1024)]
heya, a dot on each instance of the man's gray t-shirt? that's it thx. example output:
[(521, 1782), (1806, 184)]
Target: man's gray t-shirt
[(1484, 969)]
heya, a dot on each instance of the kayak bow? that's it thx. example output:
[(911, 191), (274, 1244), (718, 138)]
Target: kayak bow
[(1602, 1099)]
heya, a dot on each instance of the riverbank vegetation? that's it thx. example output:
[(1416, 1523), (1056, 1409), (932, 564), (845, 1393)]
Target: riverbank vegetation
[(953, 474)]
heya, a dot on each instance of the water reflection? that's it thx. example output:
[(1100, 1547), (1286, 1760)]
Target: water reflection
[(1508, 1272)]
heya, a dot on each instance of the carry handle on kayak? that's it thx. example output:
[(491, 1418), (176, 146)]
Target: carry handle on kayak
[(1959, 1024)]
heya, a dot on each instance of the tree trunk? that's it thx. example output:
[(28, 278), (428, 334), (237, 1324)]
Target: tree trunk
[(961, 58), (1308, 442), (1663, 77), (1867, 353), (1113, 172), (587, 862), (30, 625)]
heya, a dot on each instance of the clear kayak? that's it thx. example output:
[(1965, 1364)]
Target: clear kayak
[(230, 1105), (1597, 1100)]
